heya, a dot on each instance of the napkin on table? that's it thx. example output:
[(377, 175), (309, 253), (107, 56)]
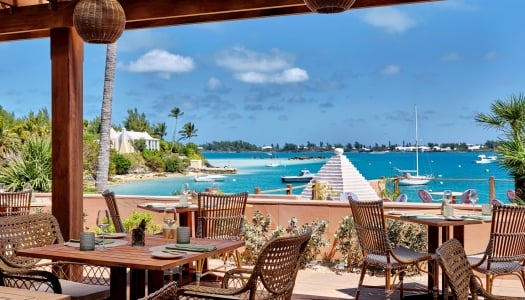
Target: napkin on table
[(192, 247)]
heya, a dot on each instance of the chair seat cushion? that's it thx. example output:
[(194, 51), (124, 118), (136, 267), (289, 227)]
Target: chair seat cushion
[(495, 267), (408, 256), (82, 291)]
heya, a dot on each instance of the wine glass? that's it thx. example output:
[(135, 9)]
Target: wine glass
[(474, 196), (185, 190), (103, 224)]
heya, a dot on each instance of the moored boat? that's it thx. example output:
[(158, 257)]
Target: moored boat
[(209, 178), (483, 159), (304, 176)]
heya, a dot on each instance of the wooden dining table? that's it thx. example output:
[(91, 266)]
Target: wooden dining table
[(440, 229), (137, 259)]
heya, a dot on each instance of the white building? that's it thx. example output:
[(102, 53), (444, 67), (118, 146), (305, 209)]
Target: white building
[(122, 141)]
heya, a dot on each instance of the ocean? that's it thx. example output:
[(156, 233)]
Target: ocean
[(454, 171)]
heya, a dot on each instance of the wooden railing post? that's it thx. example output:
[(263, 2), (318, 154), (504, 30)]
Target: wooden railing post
[(492, 188), (257, 191), (289, 189), (314, 190), (396, 184)]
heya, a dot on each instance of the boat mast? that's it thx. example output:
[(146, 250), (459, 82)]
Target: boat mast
[(417, 146)]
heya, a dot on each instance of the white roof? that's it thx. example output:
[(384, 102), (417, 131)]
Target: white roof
[(343, 177)]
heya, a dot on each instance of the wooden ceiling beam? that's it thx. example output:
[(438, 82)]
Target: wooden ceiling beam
[(35, 21)]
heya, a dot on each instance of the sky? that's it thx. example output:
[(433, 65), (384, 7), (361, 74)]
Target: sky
[(338, 79)]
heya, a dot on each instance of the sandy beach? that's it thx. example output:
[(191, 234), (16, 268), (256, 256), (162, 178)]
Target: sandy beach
[(135, 177)]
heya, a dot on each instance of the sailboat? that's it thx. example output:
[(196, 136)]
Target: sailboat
[(412, 177)]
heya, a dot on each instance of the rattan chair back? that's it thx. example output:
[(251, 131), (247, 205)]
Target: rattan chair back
[(461, 281), (220, 216), (111, 202), (167, 292), (370, 226), (15, 203), (27, 231), (272, 277), (278, 264), (505, 252), (456, 268), (37, 230), (378, 253)]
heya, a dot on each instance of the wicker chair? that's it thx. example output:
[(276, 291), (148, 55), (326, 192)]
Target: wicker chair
[(505, 252), (15, 203), (458, 273), (35, 230), (167, 292), (370, 225), (272, 277), (220, 216), (111, 202)]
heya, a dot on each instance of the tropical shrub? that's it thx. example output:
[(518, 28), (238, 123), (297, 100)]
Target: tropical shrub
[(121, 163), (258, 233), (30, 165)]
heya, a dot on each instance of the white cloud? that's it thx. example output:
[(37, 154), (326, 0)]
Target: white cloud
[(162, 62), (390, 19), (286, 76), (451, 57), (391, 70), (257, 67)]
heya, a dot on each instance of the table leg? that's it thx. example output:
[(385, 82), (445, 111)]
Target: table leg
[(459, 233), (433, 244), (137, 283), (155, 280), (118, 283)]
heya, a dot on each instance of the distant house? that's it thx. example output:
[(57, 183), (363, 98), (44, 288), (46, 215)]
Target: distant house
[(123, 141)]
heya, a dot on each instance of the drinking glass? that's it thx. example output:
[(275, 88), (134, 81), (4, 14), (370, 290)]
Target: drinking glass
[(169, 220), (103, 224), (447, 196), (474, 196)]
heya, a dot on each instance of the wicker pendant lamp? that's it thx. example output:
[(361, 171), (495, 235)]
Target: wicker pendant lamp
[(99, 21), (329, 6)]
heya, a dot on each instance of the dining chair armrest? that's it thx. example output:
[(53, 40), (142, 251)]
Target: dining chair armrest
[(31, 279), (236, 278)]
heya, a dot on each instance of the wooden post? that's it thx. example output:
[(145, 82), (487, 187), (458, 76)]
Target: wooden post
[(289, 189), (492, 188), (396, 184), (67, 55), (314, 190), (257, 191)]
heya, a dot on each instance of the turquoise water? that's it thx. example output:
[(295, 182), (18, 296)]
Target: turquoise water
[(453, 171)]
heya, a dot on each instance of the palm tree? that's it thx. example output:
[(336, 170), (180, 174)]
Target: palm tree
[(509, 118), (175, 113), (105, 118), (188, 131)]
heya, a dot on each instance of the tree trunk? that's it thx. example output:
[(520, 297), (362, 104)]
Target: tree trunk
[(519, 187), (105, 118)]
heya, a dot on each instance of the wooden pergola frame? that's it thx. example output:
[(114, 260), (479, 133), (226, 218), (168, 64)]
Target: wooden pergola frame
[(28, 19)]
